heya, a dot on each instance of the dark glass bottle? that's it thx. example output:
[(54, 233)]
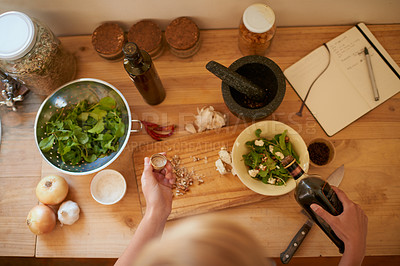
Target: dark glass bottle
[(312, 189), (143, 73)]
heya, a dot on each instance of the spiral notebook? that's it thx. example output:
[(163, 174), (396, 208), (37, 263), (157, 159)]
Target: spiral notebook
[(343, 92)]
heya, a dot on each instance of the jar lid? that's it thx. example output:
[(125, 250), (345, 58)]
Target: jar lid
[(17, 33), (182, 33), (258, 18), (108, 40), (146, 34)]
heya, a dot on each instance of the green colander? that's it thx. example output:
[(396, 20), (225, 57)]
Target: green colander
[(71, 94)]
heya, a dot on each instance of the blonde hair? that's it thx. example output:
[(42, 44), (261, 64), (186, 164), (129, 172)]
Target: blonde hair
[(211, 241)]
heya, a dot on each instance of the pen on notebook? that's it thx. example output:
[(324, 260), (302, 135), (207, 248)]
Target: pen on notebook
[(371, 74)]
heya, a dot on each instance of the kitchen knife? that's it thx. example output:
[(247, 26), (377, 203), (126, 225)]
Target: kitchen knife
[(334, 179)]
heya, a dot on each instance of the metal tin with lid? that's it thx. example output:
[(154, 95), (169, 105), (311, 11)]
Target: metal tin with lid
[(30, 53), (257, 29)]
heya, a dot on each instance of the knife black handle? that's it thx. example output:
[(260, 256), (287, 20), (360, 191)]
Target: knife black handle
[(287, 255)]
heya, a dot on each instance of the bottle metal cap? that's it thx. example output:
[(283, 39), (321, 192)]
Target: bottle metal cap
[(130, 49), (258, 18), (17, 35)]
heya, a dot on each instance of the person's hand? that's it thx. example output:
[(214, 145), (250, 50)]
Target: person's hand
[(350, 226), (157, 189)]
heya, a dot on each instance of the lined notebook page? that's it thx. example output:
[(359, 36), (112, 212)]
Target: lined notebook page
[(344, 92)]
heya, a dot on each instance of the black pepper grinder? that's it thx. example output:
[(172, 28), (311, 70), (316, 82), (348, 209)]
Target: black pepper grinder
[(141, 70)]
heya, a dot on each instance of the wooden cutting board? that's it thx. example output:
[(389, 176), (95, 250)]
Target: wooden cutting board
[(198, 152)]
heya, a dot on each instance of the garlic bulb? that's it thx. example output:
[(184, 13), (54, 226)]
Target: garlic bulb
[(68, 213), (207, 118)]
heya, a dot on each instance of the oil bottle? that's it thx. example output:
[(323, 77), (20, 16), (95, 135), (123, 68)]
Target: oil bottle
[(140, 68), (312, 189)]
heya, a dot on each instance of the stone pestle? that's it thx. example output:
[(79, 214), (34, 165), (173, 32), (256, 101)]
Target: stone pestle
[(237, 81)]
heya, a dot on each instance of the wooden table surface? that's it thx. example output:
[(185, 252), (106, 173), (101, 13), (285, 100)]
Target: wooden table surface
[(368, 148)]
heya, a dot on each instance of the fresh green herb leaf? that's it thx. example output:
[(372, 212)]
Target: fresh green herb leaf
[(98, 114), (258, 133), (47, 143), (98, 128), (282, 143), (120, 130), (83, 116), (263, 173), (107, 103)]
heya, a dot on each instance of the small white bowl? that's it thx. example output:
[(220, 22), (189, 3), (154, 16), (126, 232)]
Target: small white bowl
[(108, 187), (269, 130)]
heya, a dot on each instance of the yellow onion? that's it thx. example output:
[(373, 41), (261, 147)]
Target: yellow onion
[(41, 219), (52, 190)]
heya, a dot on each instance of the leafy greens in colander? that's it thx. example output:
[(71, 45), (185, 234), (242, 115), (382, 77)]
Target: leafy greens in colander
[(84, 132)]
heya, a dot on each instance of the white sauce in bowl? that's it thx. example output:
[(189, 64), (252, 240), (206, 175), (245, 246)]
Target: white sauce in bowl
[(108, 187)]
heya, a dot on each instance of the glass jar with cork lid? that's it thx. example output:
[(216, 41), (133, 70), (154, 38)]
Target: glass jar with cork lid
[(108, 39), (257, 29), (32, 54), (183, 37), (148, 36)]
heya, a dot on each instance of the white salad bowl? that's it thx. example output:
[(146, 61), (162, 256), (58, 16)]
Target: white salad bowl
[(268, 130)]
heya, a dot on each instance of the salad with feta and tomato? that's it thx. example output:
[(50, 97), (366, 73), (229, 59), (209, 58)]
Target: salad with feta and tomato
[(264, 158)]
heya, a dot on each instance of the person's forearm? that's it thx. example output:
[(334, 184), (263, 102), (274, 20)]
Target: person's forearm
[(151, 226), (352, 256)]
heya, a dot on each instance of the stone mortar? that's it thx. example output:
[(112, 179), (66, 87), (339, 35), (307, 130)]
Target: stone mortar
[(264, 73)]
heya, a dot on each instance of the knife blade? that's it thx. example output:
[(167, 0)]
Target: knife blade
[(334, 179)]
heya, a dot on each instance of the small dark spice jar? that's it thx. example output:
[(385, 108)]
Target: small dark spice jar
[(148, 36), (108, 40), (183, 37), (321, 152)]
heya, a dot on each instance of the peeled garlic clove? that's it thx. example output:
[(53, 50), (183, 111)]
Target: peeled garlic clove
[(218, 120), (190, 128), (203, 119), (68, 213)]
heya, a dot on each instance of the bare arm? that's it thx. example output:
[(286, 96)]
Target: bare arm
[(350, 226), (158, 194)]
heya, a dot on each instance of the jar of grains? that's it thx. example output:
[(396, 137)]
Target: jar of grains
[(32, 54), (256, 30)]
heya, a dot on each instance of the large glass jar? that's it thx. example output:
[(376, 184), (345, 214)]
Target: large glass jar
[(256, 30), (32, 54)]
